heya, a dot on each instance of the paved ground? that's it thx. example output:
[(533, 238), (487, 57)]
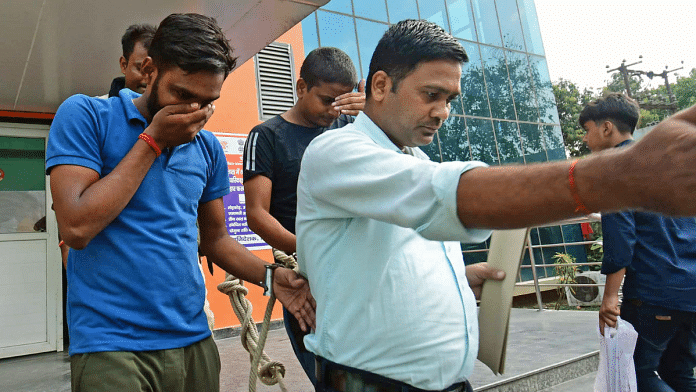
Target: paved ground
[(536, 339)]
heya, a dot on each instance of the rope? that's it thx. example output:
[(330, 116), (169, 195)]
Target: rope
[(268, 371)]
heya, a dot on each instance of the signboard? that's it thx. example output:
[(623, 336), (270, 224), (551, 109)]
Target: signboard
[(235, 206)]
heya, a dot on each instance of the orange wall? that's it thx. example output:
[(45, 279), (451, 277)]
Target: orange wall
[(236, 111)]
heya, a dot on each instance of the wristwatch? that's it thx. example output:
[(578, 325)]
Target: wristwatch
[(267, 284)]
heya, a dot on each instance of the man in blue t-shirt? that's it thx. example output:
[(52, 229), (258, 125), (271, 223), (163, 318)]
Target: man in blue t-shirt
[(273, 151), (130, 177), (657, 255)]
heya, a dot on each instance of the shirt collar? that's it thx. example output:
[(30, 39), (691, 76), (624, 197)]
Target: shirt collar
[(624, 143), (132, 113), (365, 125)]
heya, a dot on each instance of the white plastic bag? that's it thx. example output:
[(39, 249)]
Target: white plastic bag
[(616, 372)]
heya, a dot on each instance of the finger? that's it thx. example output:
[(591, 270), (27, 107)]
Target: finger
[(181, 108), (601, 326), (361, 86), (300, 321), (485, 272)]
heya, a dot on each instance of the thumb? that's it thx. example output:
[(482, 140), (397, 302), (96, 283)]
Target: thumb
[(361, 86), (488, 272)]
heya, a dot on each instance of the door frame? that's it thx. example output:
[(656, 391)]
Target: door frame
[(54, 293)]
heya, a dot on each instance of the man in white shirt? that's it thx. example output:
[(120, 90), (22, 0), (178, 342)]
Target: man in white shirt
[(379, 226)]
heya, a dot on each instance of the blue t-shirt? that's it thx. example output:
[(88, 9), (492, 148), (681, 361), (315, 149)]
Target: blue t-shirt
[(137, 286), (659, 254)]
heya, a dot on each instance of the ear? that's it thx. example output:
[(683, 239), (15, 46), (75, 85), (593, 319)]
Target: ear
[(123, 63), (381, 85), (608, 128), (301, 88), (148, 69)]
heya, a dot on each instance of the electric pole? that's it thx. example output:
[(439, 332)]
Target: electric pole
[(626, 73)]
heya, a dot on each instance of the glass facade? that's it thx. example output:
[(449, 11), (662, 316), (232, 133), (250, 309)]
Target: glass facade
[(506, 113)]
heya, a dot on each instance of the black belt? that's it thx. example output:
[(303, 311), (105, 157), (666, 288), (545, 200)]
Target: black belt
[(332, 376)]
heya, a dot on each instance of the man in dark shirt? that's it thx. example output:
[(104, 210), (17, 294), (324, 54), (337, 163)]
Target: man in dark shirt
[(657, 255), (274, 149), (135, 43)]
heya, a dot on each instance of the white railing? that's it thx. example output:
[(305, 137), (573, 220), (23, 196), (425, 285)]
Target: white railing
[(533, 265)]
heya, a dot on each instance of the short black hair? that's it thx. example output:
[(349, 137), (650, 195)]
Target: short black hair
[(192, 42), (328, 65), (618, 108), (142, 33), (409, 43)]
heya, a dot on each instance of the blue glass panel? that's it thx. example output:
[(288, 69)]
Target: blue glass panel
[(487, 22), (532, 143), (548, 112), (550, 235), (373, 9), (344, 6), (474, 98), (534, 234), (467, 247), (369, 33), (434, 11), (461, 19), (402, 9), (433, 149), (454, 141), (522, 87), (526, 273), (338, 31), (310, 38), (530, 26), (508, 142), (555, 149), (482, 140), (498, 83), (572, 233), (475, 257), (580, 254), (510, 24)]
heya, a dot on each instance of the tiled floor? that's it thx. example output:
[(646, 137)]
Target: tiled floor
[(536, 339)]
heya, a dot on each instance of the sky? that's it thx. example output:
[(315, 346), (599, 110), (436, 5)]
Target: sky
[(582, 37)]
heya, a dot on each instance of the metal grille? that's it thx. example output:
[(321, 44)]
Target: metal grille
[(275, 79)]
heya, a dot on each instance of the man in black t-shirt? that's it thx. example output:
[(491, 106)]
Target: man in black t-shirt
[(274, 149)]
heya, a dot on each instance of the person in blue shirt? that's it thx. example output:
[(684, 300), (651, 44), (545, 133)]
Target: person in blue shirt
[(130, 177), (273, 150), (379, 226), (657, 256)]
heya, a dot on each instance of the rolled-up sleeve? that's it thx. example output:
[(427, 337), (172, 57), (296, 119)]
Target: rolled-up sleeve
[(367, 180), (619, 240)]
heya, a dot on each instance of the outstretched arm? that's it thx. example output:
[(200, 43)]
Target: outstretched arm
[(655, 174)]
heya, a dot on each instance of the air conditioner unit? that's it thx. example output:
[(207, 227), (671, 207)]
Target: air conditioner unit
[(586, 295)]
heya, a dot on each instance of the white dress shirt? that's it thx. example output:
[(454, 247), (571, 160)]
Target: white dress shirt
[(392, 297)]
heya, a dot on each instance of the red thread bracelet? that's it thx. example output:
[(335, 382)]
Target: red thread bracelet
[(60, 244), (150, 142), (579, 205)]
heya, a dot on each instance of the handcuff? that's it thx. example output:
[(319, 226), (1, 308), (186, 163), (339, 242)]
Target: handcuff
[(267, 284)]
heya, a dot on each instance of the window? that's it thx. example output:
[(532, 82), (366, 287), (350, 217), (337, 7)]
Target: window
[(275, 78)]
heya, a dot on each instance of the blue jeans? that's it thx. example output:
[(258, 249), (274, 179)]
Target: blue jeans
[(295, 333), (665, 354)]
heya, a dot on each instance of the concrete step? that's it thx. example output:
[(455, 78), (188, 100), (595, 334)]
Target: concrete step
[(581, 384), (548, 377)]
